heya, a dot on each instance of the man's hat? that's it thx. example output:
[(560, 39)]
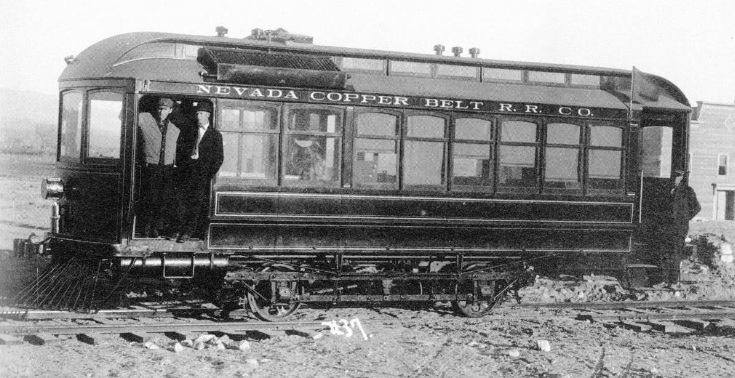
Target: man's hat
[(204, 106), (165, 102)]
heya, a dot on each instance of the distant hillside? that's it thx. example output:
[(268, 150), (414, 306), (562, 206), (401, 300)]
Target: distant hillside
[(27, 121)]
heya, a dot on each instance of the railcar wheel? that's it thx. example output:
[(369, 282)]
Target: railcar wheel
[(476, 308), (260, 301)]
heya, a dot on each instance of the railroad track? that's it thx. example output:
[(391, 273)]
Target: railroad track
[(683, 317)]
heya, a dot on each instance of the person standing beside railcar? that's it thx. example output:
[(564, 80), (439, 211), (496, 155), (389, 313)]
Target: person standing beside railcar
[(200, 165), (685, 207), (157, 149)]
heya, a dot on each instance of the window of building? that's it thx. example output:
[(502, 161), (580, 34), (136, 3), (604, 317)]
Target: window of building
[(250, 140), (70, 138), (561, 163), (313, 144), (605, 161), (424, 162), (105, 126), (471, 155), (722, 163), (517, 170), (375, 161)]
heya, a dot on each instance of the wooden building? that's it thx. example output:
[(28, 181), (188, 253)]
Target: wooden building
[(711, 154)]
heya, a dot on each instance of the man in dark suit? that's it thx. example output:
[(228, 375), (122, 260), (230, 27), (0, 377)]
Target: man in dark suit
[(201, 163)]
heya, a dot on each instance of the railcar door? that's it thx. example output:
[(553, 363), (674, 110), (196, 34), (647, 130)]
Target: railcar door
[(663, 147), (91, 162)]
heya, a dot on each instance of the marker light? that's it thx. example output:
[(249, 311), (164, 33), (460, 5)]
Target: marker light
[(52, 188)]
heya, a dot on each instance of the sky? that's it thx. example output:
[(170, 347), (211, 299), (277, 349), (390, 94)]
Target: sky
[(691, 43)]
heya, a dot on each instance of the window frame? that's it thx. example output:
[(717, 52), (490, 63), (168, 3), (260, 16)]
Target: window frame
[(397, 138), (623, 149), (105, 161), (287, 133), (223, 104), (407, 114), (726, 166), (537, 157), (581, 157), (492, 148), (80, 128)]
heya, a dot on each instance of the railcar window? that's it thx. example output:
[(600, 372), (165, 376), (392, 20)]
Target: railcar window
[(313, 147), (71, 126), (471, 155), (561, 163), (547, 77), (586, 80), (656, 151), (456, 72), (105, 125), (517, 157), (361, 64), (605, 174), (398, 67), (424, 160), (376, 151), (250, 140), (501, 74)]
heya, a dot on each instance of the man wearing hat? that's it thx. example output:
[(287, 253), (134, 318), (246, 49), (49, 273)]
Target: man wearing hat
[(685, 207), (158, 138), (203, 159)]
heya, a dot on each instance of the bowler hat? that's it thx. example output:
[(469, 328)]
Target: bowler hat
[(204, 106), (167, 102)]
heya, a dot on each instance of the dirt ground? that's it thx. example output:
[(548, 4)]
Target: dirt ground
[(425, 342)]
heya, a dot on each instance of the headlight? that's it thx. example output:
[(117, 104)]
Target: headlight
[(52, 188)]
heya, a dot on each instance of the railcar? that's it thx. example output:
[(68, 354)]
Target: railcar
[(356, 175)]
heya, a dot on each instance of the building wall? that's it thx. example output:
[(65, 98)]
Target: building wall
[(712, 134)]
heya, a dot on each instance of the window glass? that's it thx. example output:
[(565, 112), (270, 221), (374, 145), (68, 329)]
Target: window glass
[(562, 133), (518, 131), (376, 162), (586, 80), (517, 166), (71, 126), (656, 151), (604, 164), (312, 159), (423, 163), (472, 129), (471, 164), (425, 127), (105, 125), (722, 165), (361, 64), (501, 74), (547, 77), (377, 124), (313, 147), (314, 120), (410, 68), (606, 136), (250, 141), (562, 169), (456, 71)]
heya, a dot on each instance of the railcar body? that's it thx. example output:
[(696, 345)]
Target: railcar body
[(406, 176)]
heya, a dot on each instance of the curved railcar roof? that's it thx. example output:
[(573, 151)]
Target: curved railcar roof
[(106, 59)]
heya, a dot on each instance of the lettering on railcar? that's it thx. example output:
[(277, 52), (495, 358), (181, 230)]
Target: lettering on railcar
[(386, 100)]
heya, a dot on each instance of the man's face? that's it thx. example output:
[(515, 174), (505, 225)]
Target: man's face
[(163, 112), (677, 179), (202, 117)]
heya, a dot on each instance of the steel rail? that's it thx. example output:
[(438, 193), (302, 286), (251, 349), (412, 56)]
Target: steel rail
[(630, 304), (73, 329)]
